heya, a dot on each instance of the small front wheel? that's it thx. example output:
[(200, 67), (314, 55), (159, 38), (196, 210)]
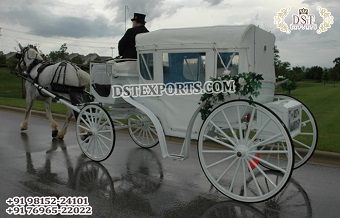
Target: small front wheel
[(143, 131), (95, 132)]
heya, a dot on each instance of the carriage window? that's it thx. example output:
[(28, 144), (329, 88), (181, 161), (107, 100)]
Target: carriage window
[(230, 60), (146, 66), (183, 67)]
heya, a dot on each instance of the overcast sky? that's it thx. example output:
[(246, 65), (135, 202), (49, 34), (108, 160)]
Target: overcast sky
[(96, 26)]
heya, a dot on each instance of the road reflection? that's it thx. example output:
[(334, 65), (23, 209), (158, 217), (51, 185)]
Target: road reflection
[(292, 201), (135, 187)]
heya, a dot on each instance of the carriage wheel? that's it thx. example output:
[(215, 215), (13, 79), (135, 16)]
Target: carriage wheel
[(143, 131), (95, 132), (232, 143), (293, 199), (93, 179), (305, 142)]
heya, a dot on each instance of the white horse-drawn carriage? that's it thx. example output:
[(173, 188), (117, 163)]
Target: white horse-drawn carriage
[(238, 143)]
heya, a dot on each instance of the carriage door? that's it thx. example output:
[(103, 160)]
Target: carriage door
[(181, 68)]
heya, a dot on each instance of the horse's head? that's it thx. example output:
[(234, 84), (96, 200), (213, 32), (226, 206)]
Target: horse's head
[(27, 56)]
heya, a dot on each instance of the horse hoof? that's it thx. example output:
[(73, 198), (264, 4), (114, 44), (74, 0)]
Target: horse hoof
[(23, 129), (54, 133), (60, 137)]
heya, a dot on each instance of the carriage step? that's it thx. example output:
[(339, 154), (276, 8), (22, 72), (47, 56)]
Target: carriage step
[(177, 157)]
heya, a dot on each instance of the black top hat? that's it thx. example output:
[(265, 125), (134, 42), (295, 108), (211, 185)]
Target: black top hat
[(140, 18)]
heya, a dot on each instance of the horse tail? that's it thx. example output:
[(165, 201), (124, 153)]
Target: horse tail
[(84, 77)]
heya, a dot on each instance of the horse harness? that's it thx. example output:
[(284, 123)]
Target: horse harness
[(56, 86)]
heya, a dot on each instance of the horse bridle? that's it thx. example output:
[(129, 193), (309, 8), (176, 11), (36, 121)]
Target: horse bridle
[(21, 58)]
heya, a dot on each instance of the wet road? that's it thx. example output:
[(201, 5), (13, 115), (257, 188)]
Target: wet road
[(135, 182)]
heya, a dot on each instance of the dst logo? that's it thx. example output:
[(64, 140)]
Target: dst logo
[(304, 20)]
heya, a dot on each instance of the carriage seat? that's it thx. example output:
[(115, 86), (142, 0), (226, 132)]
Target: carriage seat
[(122, 67), (114, 72)]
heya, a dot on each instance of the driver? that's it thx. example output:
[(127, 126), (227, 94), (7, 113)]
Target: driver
[(127, 44)]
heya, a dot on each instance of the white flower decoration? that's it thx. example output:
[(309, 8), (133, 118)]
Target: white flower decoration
[(242, 81)]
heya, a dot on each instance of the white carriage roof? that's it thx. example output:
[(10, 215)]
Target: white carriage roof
[(221, 36)]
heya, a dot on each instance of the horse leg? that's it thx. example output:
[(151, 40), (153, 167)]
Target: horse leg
[(63, 130), (29, 103), (24, 124), (54, 125)]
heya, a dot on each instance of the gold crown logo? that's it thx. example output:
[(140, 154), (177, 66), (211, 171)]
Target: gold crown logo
[(303, 11)]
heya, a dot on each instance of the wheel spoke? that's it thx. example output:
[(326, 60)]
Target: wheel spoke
[(263, 173), (244, 179), (143, 136), (235, 175), (153, 130), (300, 143), (101, 126), (220, 142), (254, 178), (267, 163), (136, 130), (140, 132), (147, 136), (297, 154), (231, 129), (221, 161), (85, 141), (305, 122), (149, 131), (101, 140), (259, 131), (92, 117), (87, 118), (86, 123), (104, 131), (100, 118), (90, 142), (266, 141), (306, 133), (269, 152), (81, 126), (218, 151), (250, 122), (239, 124), (105, 137)]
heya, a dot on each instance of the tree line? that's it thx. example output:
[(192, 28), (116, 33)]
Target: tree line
[(53, 56), (295, 74)]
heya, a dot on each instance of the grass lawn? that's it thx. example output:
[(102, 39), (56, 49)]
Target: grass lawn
[(323, 101)]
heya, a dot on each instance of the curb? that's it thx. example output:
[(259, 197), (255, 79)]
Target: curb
[(323, 158)]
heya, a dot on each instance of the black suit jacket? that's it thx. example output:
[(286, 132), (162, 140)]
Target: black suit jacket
[(127, 44)]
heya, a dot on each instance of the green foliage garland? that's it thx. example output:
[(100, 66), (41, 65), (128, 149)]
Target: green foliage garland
[(246, 84)]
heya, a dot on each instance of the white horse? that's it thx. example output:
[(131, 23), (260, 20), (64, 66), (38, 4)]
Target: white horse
[(70, 75)]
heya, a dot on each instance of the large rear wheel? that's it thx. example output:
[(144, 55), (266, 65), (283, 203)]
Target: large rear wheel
[(232, 144), (305, 142)]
